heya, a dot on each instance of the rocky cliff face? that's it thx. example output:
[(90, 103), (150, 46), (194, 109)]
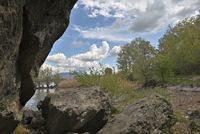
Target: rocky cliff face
[(28, 29)]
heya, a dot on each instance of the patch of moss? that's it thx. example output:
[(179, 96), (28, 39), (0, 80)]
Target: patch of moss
[(180, 116)]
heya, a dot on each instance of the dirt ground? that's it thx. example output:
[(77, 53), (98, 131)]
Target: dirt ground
[(183, 102)]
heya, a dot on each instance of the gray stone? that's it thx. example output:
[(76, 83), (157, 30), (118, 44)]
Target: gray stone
[(194, 117), (152, 115), (32, 119), (76, 110)]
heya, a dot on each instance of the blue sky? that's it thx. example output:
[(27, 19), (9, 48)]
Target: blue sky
[(98, 28)]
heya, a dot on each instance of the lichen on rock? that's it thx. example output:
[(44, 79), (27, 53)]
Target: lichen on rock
[(152, 115)]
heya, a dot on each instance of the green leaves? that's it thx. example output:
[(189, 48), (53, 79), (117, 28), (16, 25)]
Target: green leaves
[(137, 58), (178, 54), (181, 44)]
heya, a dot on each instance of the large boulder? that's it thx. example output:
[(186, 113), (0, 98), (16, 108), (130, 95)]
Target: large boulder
[(152, 115), (76, 110), (32, 119)]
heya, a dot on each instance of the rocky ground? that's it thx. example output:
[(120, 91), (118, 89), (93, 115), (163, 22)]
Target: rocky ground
[(90, 110), (186, 105), (185, 99)]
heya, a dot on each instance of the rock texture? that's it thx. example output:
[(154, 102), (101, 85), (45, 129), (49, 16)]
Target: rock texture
[(11, 29), (152, 115), (28, 29), (77, 110), (194, 117), (32, 119), (44, 22), (8, 121)]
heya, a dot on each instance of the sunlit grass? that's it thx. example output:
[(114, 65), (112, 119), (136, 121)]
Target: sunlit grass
[(134, 95), (185, 80), (21, 130), (68, 83)]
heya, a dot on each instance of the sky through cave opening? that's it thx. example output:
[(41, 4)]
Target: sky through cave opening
[(98, 29)]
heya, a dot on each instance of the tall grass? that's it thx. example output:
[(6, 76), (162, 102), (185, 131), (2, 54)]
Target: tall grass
[(68, 83), (110, 83), (123, 92), (185, 80)]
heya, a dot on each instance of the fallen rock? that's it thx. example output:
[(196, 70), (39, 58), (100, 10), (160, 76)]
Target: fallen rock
[(77, 110), (152, 115), (32, 119)]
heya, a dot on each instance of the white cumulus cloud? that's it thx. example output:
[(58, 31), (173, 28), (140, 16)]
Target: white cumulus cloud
[(94, 53), (133, 17), (104, 33), (82, 61), (57, 57), (115, 51)]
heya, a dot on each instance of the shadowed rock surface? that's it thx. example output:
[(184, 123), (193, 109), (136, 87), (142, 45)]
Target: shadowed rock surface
[(77, 110), (194, 117), (28, 29), (152, 115), (8, 121), (44, 22)]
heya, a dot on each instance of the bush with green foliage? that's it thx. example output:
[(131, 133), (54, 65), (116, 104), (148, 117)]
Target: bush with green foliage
[(178, 54), (102, 77), (137, 58), (163, 68), (181, 45)]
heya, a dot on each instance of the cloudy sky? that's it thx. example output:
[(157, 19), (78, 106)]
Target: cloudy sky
[(99, 27)]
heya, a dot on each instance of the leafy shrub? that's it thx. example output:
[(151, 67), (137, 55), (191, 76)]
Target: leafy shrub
[(107, 81)]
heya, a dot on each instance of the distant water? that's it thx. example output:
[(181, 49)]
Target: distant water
[(37, 97)]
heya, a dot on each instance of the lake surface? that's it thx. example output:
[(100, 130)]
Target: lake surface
[(37, 97)]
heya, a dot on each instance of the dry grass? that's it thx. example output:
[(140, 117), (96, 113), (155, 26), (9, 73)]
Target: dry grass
[(181, 128), (21, 130), (68, 83), (129, 85)]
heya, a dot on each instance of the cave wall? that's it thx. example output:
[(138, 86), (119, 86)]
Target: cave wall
[(28, 29)]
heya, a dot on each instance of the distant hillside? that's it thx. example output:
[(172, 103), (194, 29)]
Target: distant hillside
[(66, 75)]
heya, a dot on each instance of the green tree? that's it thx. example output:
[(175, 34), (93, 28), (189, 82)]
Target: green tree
[(46, 76), (163, 68), (181, 44), (137, 58), (108, 71), (56, 78)]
